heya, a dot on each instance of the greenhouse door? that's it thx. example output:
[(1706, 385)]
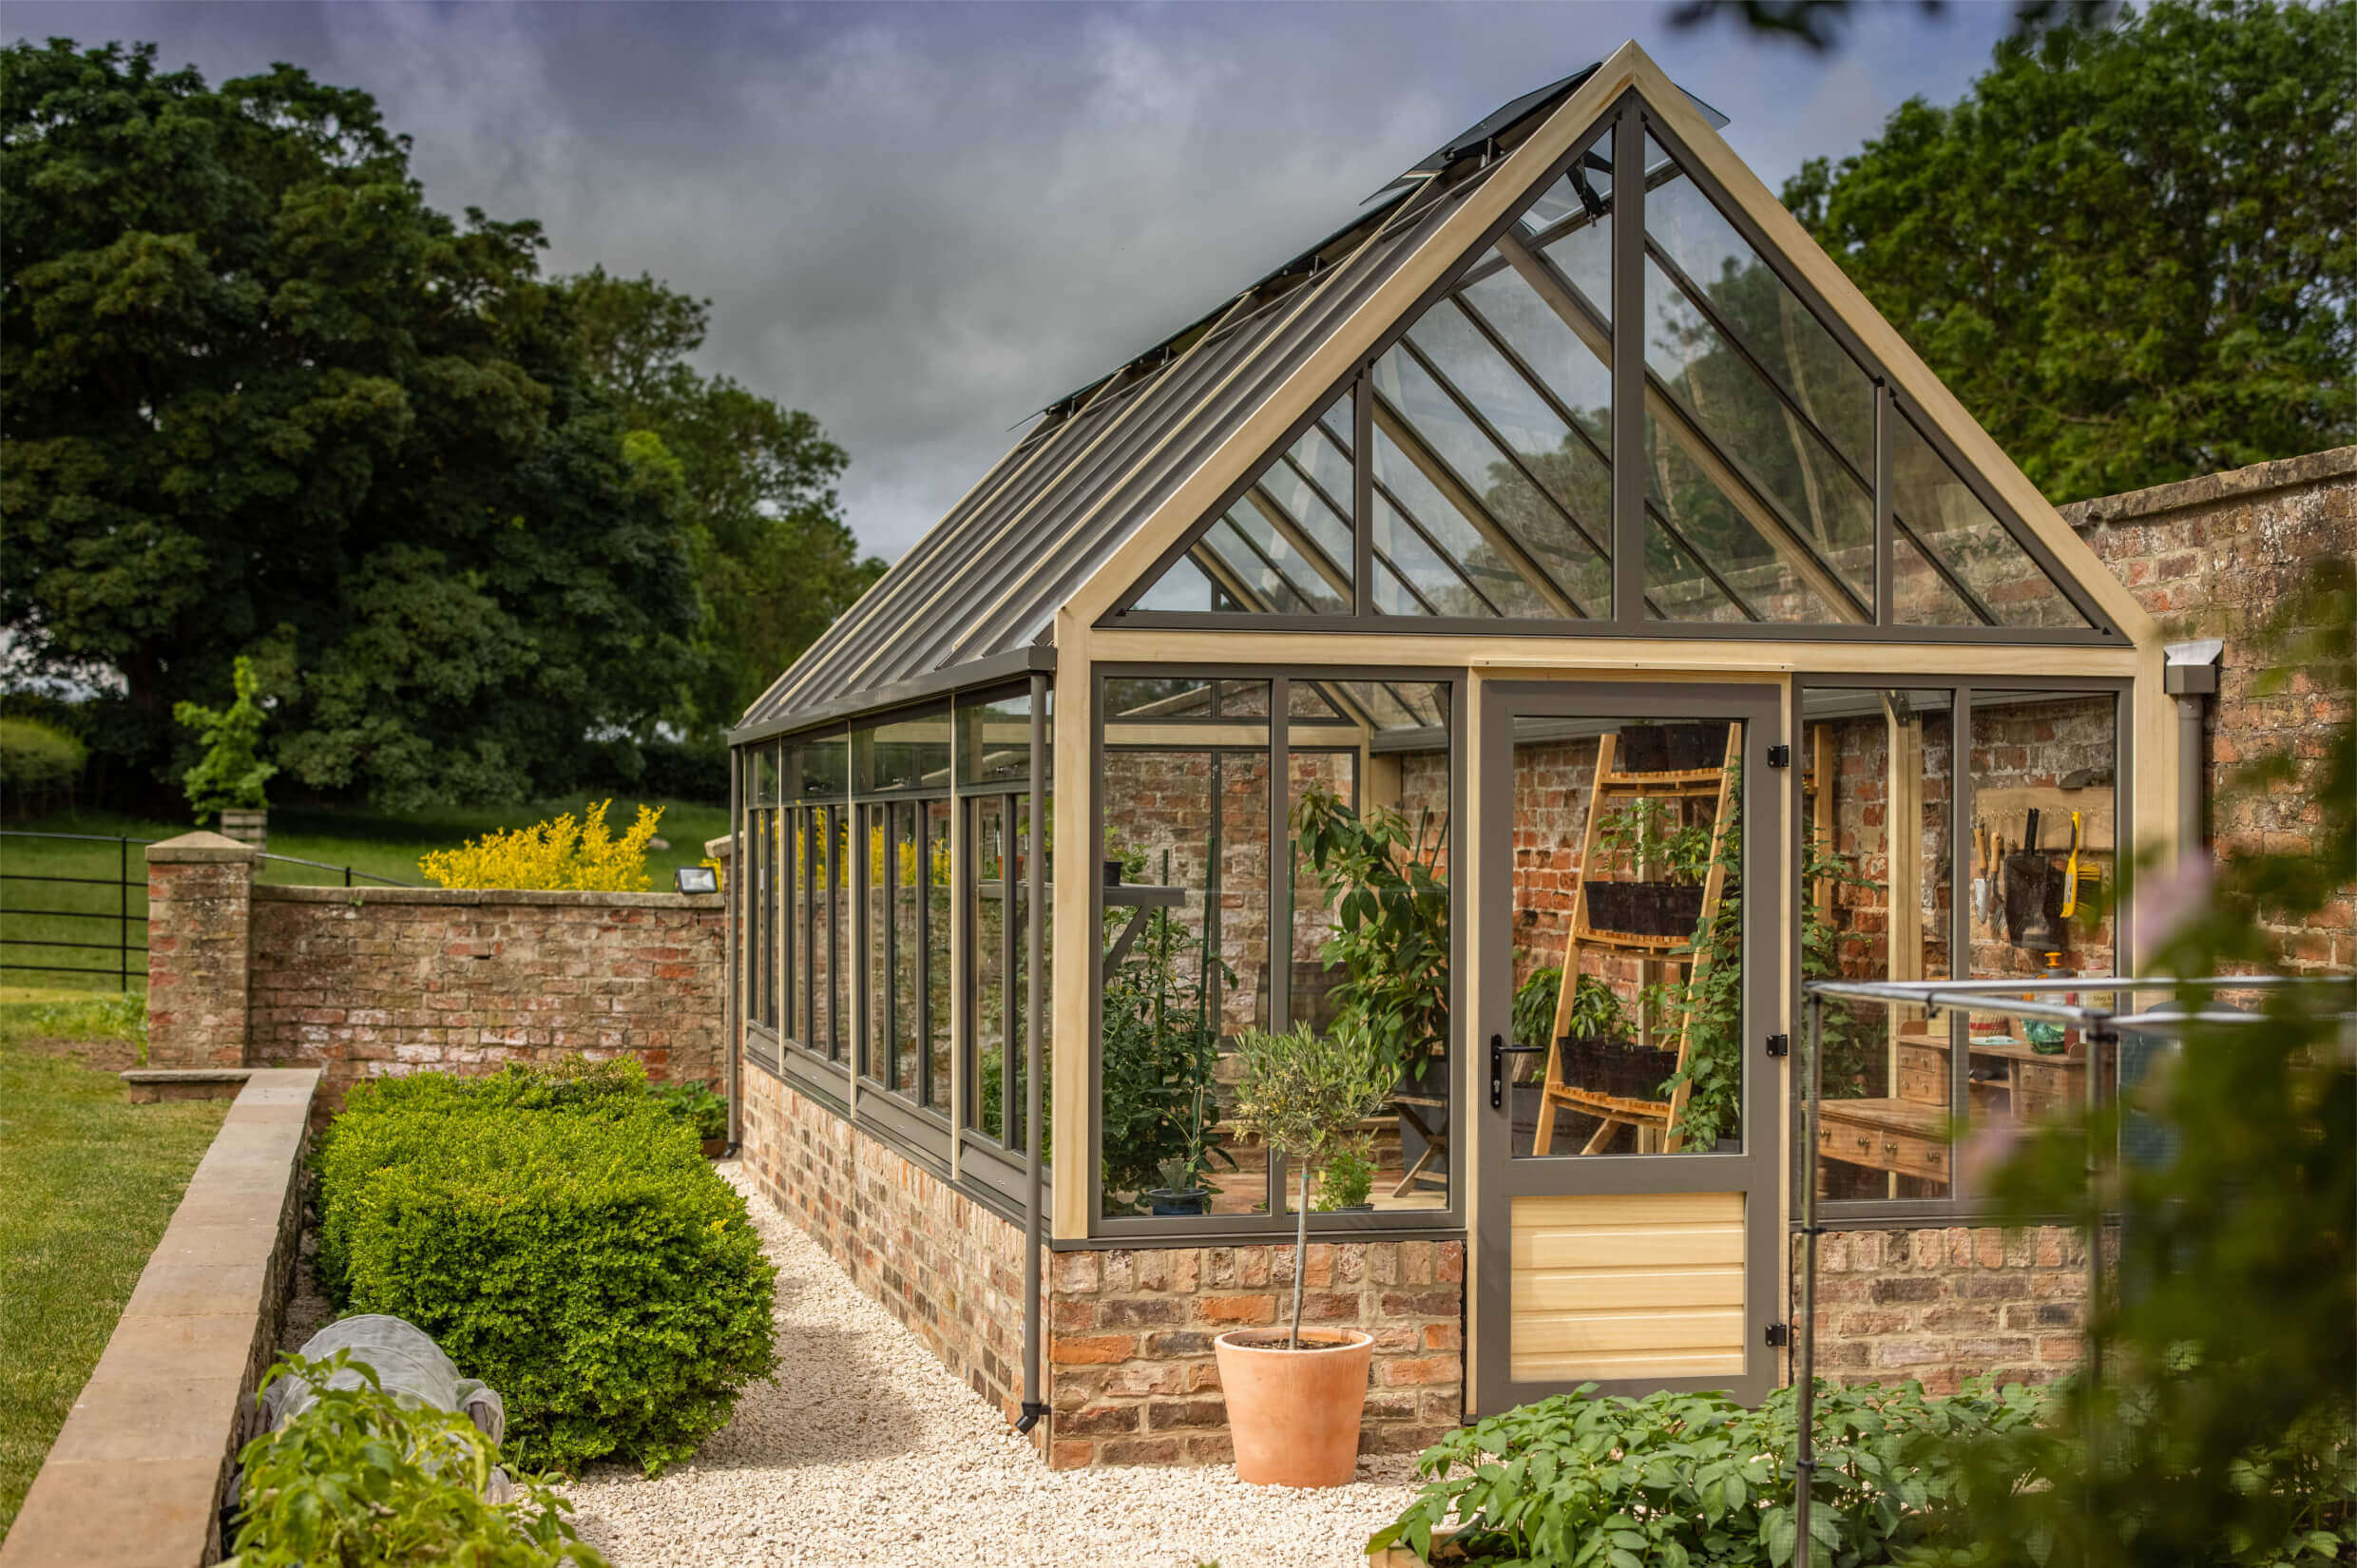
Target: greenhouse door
[(1625, 1225)]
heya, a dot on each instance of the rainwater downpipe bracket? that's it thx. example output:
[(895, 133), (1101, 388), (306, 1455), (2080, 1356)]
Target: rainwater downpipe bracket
[(2190, 676)]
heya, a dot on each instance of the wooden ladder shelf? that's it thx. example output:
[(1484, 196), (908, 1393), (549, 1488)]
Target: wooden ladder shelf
[(1649, 1117)]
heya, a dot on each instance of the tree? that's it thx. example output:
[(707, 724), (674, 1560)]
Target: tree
[(260, 398), (2131, 250), (231, 774), (775, 560)]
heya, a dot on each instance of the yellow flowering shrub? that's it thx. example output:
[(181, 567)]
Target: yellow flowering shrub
[(566, 852)]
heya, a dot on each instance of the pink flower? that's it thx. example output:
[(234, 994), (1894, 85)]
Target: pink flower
[(2167, 901)]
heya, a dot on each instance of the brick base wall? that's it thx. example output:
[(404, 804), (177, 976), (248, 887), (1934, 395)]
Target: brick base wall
[(1940, 1305), (1134, 1376), (944, 1265)]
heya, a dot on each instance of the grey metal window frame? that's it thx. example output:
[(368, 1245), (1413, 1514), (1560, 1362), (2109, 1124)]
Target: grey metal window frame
[(1961, 1205), (1195, 1230), (1630, 122)]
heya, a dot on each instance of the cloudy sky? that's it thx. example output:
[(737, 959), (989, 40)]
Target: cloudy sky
[(921, 222)]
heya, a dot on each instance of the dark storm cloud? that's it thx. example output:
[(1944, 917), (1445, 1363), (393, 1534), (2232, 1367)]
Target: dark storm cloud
[(922, 223)]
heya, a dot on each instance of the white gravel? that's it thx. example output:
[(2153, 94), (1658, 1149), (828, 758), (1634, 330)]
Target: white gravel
[(866, 1450)]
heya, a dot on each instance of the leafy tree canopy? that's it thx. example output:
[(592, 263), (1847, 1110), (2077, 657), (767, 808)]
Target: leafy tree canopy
[(258, 396), (2130, 250), (773, 556)]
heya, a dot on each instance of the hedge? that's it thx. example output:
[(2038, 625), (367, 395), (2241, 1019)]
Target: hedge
[(563, 1239)]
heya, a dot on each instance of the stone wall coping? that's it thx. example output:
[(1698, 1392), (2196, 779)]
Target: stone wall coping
[(189, 1075), (135, 1479), (201, 848), (562, 898), (2211, 489)]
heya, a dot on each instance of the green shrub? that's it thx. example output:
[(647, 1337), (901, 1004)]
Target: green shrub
[(1675, 1479), (696, 1106), (359, 1480), (36, 758), (231, 773), (563, 1239)]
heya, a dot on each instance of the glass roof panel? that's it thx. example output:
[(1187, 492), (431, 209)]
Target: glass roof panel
[(1980, 553), (1713, 529), (1921, 596), (1783, 336), (1821, 505), (1284, 547)]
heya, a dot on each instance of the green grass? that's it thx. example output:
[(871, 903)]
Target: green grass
[(86, 1185), (382, 845)]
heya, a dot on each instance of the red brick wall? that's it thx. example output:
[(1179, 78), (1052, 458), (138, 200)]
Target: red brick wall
[(1135, 1375), (379, 981), (2212, 557), (198, 951), (1939, 1305)]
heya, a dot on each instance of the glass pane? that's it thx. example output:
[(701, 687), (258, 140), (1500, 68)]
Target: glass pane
[(1019, 1016), (994, 738), (1186, 813), (1921, 595), (1284, 547), (1877, 904), (932, 874), (1699, 520), (1571, 224), (1814, 504), (796, 1024), (910, 752), (845, 943), (820, 927), (2044, 789), (988, 908), (824, 766), (765, 776), (1390, 975), (903, 867), (2008, 588), (1629, 924), (1783, 336)]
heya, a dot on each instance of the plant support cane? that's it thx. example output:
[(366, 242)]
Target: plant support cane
[(1805, 1458)]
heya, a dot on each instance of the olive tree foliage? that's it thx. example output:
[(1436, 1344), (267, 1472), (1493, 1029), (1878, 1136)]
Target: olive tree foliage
[(260, 398), (2130, 250), (772, 554)]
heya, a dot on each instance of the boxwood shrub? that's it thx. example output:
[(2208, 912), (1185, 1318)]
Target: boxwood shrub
[(563, 1238)]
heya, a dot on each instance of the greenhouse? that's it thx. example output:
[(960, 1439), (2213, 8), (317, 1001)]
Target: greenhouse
[(1536, 628)]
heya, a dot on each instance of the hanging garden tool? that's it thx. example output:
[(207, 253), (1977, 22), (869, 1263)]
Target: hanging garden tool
[(1979, 875), (2070, 872)]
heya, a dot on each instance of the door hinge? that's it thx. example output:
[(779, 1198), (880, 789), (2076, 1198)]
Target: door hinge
[(1779, 756), (1779, 1045), (1779, 1335)]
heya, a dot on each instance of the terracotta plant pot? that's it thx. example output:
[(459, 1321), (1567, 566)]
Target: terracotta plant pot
[(1295, 1413), (715, 1147)]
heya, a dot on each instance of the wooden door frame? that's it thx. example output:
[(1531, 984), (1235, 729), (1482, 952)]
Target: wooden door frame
[(1759, 699)]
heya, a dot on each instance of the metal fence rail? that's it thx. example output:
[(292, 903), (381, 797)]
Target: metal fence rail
[(62, 943)]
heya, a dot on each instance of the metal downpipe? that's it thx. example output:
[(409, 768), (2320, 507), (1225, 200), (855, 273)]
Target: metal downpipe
[(1035, 889)]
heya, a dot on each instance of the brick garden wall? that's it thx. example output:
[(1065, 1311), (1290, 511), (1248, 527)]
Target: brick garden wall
[(2212, 557), (377, 982), (1939, 1305), (367, 983)]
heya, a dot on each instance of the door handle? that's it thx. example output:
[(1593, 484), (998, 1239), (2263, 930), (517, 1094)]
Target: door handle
[(1497, 1051)]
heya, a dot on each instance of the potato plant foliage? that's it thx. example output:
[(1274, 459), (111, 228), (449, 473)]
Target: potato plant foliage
[(563, 1238), (1675, 1479), (359, 1480)]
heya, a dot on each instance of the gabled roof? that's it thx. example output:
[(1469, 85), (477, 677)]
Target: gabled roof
[(984, 583), (1114, 478)]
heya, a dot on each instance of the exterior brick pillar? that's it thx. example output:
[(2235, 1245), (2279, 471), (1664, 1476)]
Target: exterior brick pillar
[(200, 951)]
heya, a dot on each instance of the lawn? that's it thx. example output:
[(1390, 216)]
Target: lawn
[(103, 910), (86, 1185)]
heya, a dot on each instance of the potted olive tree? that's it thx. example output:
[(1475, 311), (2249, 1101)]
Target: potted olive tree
[(1294, 1396)]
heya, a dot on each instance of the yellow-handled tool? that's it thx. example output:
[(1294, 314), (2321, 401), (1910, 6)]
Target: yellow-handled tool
[(2070, 873)]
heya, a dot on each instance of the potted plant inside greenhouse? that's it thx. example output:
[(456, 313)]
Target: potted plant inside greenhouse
[(1294, 1395)]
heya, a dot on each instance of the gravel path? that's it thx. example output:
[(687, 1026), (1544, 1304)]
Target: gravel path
[(866, 1450)]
